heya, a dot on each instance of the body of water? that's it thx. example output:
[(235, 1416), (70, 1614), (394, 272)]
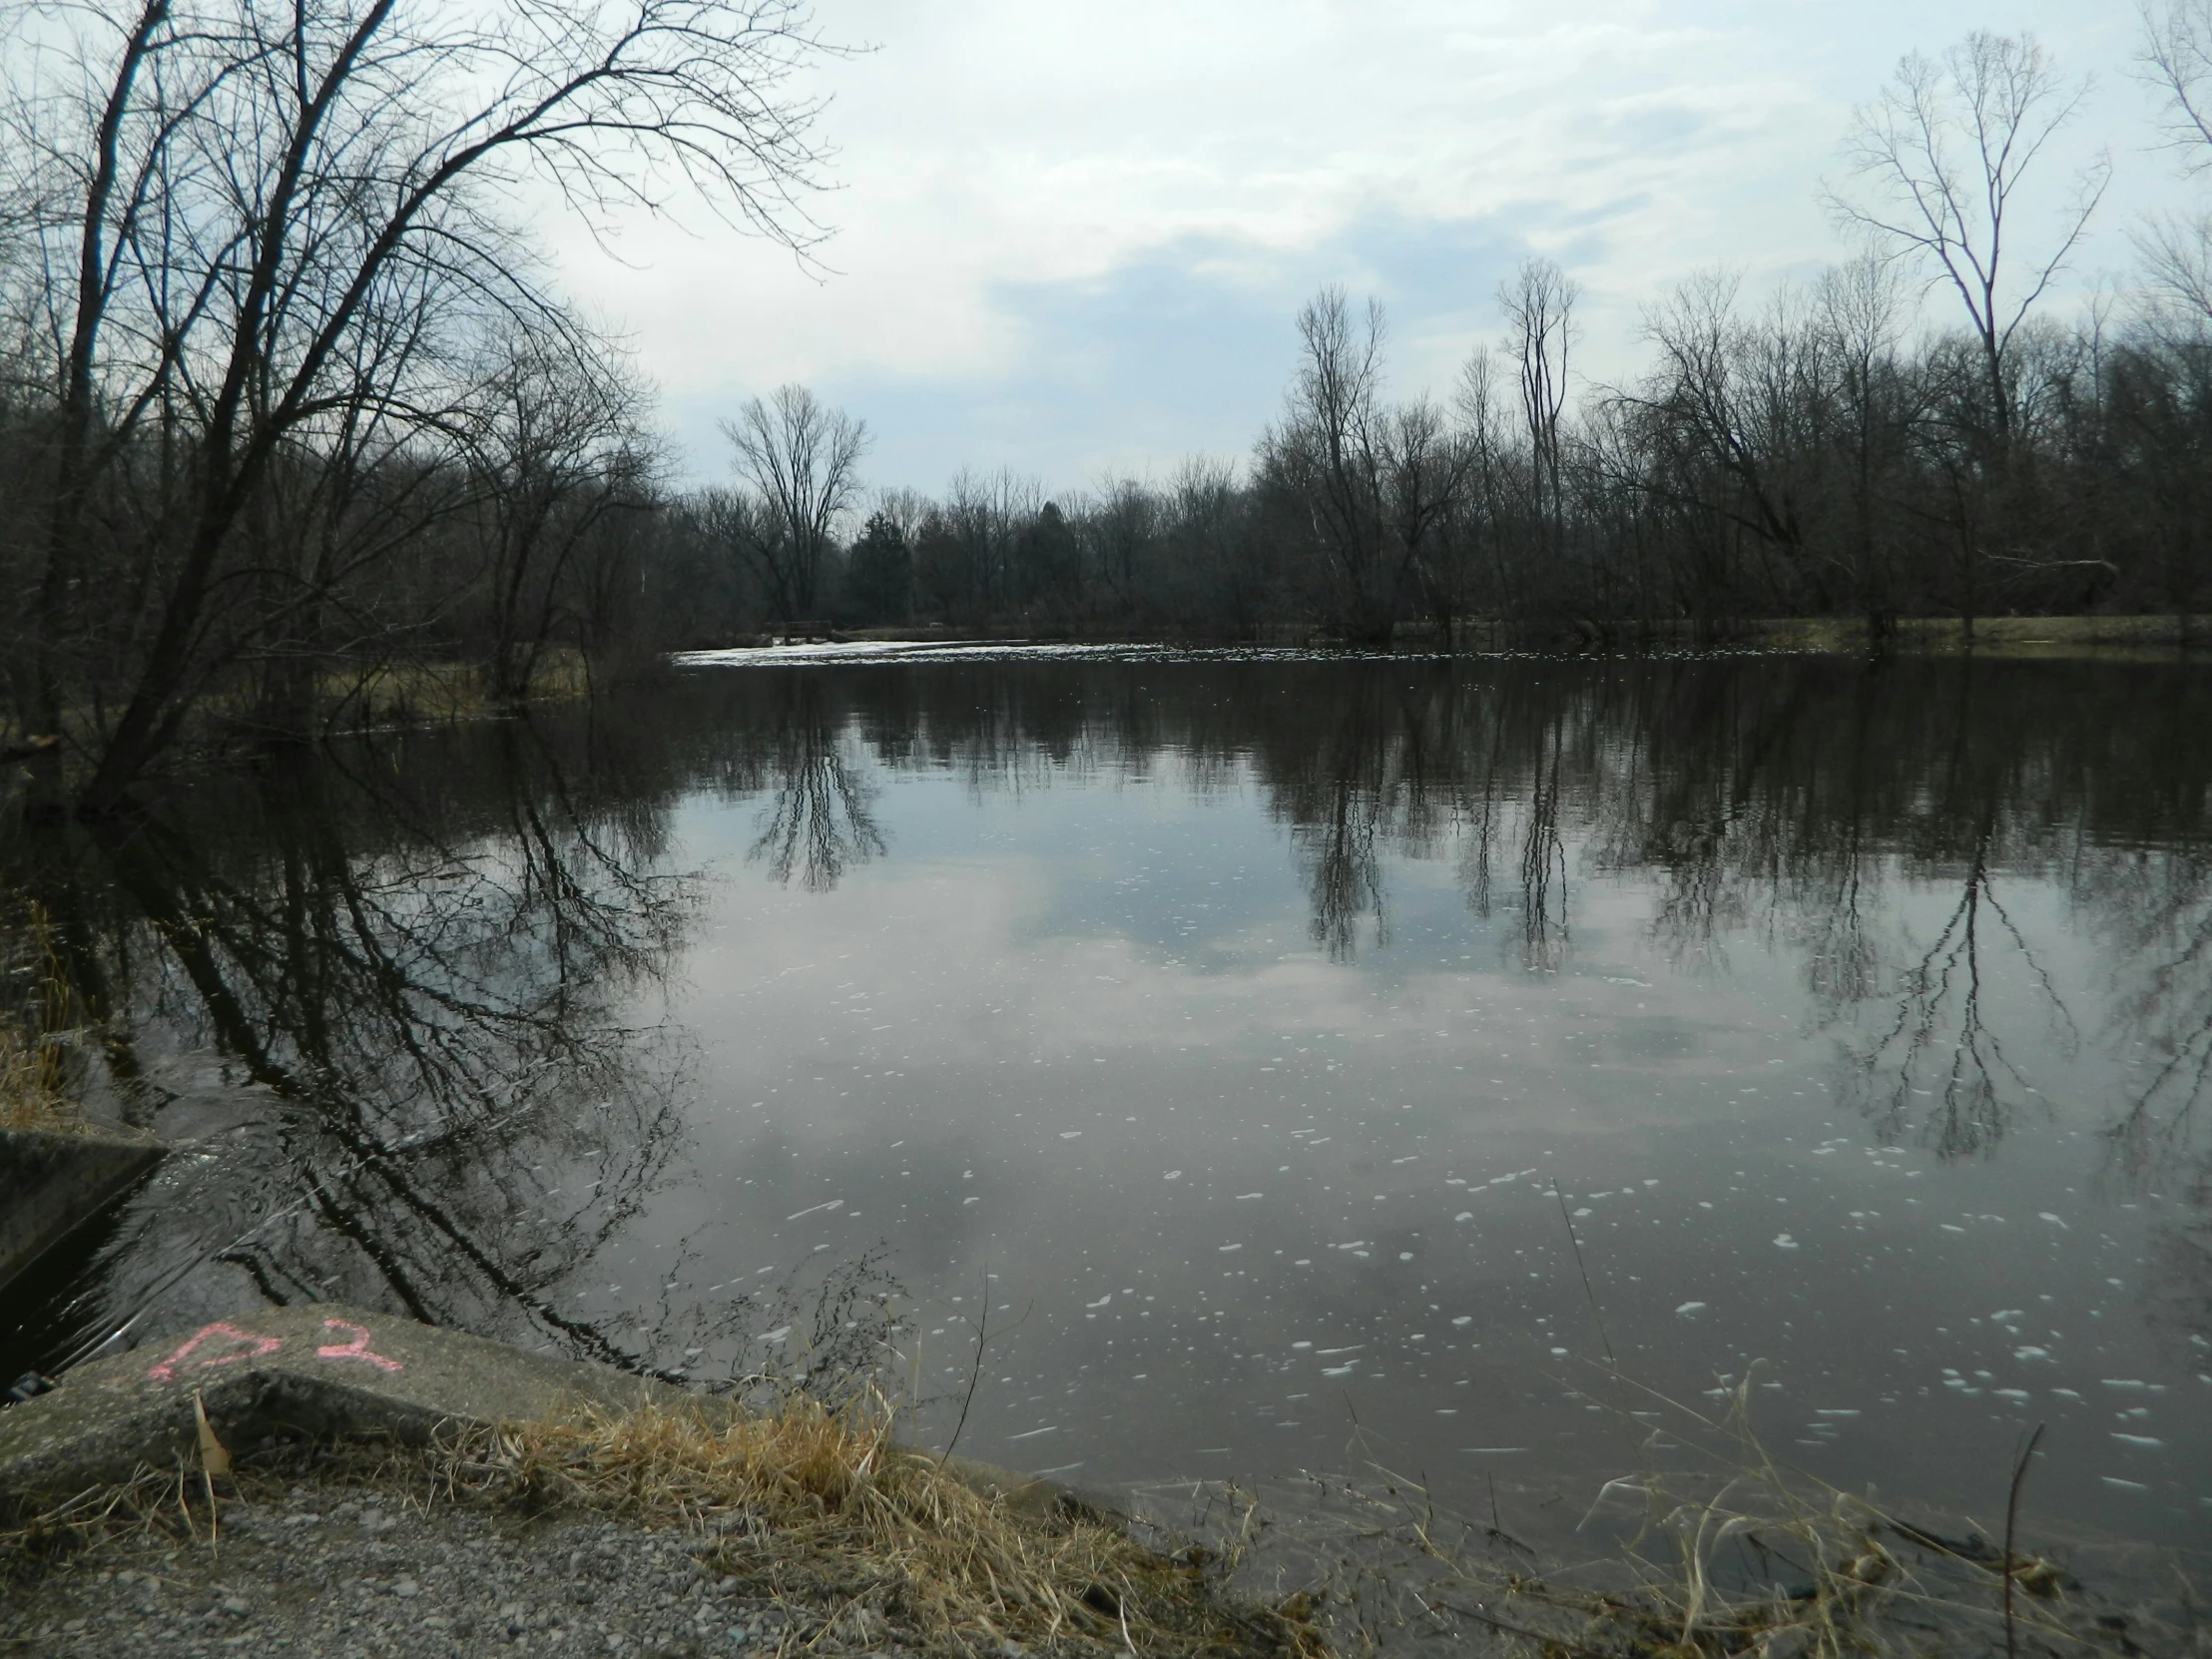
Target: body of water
[(1278, 1064)]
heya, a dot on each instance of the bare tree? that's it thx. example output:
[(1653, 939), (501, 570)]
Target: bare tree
[(1540, 318), (557, 449), (234, 193), (1325, 455), (1945, 149), (1482, 431), (2176, 249), (1124, 525), (2176, 58), (1218, 565), (802, 459), (1859, 311), (1426, 467)]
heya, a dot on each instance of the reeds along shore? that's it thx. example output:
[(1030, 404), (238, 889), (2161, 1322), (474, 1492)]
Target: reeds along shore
[(40, 1026), (1711, 1547)]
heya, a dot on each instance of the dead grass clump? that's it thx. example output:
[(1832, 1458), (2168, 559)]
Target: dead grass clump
[(29, 1097), (37, 1021), (1716, 1549), (412, 693), (171, 1505), (819, 1507)]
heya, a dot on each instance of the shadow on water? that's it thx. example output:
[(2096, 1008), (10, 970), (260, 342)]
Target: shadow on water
[(387, 991)]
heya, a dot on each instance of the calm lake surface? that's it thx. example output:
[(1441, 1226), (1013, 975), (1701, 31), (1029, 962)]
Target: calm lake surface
[(1245, 1036)]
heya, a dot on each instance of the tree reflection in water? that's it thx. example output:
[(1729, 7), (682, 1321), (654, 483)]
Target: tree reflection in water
[(819, 816), (393, 999), (1943, 1034), (419, 955)]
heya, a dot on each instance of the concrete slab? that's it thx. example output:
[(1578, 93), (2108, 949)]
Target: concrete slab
[(318, 1371), (325, 1372), (51, 1184)]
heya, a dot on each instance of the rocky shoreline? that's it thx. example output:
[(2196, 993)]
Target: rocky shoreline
[(402, 1491), (327, 1569), (326, 1479)]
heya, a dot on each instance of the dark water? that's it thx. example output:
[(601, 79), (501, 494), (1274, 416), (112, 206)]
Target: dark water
[(1244, 1037)]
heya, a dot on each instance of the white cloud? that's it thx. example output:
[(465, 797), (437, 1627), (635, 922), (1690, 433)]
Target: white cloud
[(1002, 166)]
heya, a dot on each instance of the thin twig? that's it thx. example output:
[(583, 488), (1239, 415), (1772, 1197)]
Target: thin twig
[(2012, 1518), (1587, 1290), (975, 1366)]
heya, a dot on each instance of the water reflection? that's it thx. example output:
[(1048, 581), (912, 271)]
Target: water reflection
[(539, 1030), (385, 995), (819, 818)]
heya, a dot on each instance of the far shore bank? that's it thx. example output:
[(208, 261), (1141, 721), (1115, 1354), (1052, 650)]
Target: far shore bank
[(435, 693), (2145, 636)]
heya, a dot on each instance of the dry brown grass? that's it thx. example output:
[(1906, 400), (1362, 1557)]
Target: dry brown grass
[(38, 1021), (859, 1541), (821, 1508), (432, 693), (29, 1096), (1716, 1549), (856, 1539)]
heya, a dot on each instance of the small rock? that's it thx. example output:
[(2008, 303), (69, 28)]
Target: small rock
[(236, 1607), (406, 1589)]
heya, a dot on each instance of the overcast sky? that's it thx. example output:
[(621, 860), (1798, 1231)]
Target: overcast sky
[(1071, 235)]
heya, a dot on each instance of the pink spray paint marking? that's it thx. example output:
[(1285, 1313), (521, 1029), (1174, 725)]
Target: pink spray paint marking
[(165, 1371), (357, 1349)]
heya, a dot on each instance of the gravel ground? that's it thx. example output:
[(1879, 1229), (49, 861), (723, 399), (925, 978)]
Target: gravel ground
[(343, 1571)]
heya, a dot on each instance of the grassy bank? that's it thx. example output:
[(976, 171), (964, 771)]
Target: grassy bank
[(853, 1543), (1998, 635), (813, 1513), (441, 693), (395, 694)]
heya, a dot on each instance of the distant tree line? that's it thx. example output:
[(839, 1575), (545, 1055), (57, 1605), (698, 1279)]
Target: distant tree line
[(1824, 454), (290, 413)]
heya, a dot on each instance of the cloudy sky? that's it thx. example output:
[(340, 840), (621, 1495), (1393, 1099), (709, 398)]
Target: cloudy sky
[(1071, 235)]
